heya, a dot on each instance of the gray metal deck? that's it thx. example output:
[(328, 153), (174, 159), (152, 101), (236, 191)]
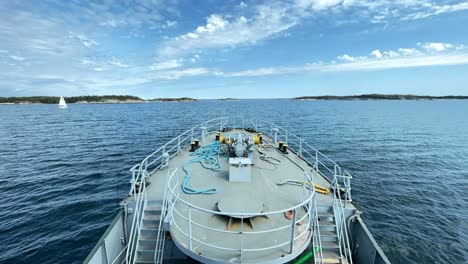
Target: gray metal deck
[(263, 189), (242, 222)]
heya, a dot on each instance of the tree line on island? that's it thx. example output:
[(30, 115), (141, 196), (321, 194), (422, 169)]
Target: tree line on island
[(135, 99), (380, 97), (88, 99)]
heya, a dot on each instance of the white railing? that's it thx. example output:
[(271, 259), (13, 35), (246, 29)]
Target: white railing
[(160, 239), (321, 162), (162, 155), (182, 213), (160, 158), (138, 215), (316, 239), (340, 219)]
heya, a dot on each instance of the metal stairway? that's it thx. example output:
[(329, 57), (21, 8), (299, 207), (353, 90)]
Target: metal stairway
[(148, 238), (331, 252)]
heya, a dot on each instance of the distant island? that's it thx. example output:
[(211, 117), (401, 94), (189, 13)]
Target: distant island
[(380, 97), (228, 99), (180, 99), (74, 99)]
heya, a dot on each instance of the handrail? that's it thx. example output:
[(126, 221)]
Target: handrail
[(120, 254), (159, 249), (138, 216), (176, 201), (156, 159), (315, 158), (340, 218), (323, 164), (320, 162)]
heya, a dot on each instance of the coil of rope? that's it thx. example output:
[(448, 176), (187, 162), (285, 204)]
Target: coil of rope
[(208, 157), (265, 157)]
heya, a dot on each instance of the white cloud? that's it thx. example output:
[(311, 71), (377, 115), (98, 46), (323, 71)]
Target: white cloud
[(436, 46), (317, 4), (85, 40), (170, 24), (118, 63), (243, 5), (346, 57), (376, 53), (432, 9), (86, 61), (187, 72), (227, 31), (401, 58), (268, 20), (113, 22), (99, 69), (17, 58), (165, 65), (408, 52)]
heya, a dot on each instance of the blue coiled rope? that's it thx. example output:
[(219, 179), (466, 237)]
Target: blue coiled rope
[(208, 157)]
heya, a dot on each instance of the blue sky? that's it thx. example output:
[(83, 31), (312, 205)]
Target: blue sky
[(244, 49)]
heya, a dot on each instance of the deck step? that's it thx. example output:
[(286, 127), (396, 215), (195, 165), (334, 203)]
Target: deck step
[(330, 244), (149, 236), (326, 223), (325, 214), (152, 217), (328, 233), (150, 226), (331, 257)]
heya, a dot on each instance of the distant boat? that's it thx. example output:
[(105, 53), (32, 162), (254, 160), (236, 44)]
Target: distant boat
[(62, 103)]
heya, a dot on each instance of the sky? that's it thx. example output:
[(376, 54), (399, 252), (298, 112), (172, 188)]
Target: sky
[(240, 49)]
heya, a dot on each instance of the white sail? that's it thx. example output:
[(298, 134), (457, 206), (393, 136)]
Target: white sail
[(62, 103)]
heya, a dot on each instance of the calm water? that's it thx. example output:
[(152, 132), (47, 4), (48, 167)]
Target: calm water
[(63, 172)]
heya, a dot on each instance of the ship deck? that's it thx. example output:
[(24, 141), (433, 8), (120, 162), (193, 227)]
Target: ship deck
[(262, 194)]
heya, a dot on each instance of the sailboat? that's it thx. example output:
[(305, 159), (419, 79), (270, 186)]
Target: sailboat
[(62, 103)]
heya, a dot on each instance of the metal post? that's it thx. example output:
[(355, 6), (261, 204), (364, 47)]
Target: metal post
[(311, 208), (133, 183), (143, 175), (275, 135), (178, 145), (304, 186), (316, 161), (293, 231), (300, 147), (190, 227), (203, 131)]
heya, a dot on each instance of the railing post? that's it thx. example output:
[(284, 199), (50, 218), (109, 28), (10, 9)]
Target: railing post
[(316, 161), (190, 227), (178, 145), (275, 135), (132, 189), (300, 148), (203, 132), (145, 170), (293, 232), (221, 125)]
